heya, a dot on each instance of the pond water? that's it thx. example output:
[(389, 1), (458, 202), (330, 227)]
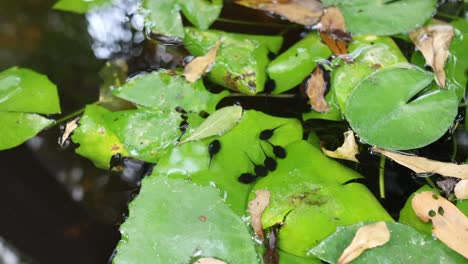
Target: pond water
[(57, 207)]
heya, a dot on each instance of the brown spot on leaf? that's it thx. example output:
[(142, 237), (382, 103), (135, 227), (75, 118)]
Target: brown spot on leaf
[(202, 218)]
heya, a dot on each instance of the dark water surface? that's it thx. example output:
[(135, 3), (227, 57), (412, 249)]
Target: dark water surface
[(56, 206)]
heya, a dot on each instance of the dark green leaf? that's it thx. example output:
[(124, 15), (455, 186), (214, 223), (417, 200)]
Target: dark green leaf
[(384, 17), (173, 221), (406, 245)]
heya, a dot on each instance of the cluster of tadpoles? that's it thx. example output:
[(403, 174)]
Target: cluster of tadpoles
[(260, 170)]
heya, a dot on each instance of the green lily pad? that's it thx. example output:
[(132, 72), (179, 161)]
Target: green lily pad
[(393, 109), (291, 67), (409, 217), (162, 16), (457, 65), (165, 91), (384, 17), (286, 258), (174, 221), (239, 148), (310, 198), (80, 6), (241, 60), (23, 93), (406, 245)]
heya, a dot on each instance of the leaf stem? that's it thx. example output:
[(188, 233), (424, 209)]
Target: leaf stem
[(431, 183), (382, 176), (455, 148), (70, 116)]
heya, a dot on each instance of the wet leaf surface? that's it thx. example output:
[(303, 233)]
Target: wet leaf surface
[(347, 151), (171, 212), (405, 245), (450, 224), (19, 127)]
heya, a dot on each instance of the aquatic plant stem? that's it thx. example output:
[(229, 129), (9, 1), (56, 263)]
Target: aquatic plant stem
[(70, 116), (382, 176)]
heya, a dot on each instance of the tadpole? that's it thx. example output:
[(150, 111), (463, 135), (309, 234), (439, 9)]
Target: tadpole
[(268, 133), (279, 151), (269, 162), (213, 149), (247, 177), (259, 170)]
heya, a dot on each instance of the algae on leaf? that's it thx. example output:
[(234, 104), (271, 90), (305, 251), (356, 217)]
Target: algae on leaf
[(174, 221)]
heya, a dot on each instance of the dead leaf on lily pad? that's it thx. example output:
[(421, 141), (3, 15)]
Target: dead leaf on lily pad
[(433, 41), (315, 90), (209, 261), (332, 29), (347, 151), (304, 12), (368, 236), (423, 165), (69, 128), (256, 208), (450, 224), (461, 190), (201, 65)]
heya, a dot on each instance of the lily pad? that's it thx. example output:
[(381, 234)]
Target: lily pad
[(409, 217), (19, 127), (164, 91), (406, 245), (162, 16), (80, 6), (174, 221), (393, 108), (241, 61), (384, 17), (310, 202)]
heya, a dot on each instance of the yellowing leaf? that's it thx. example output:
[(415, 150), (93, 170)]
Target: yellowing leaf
[(201, 65), (423, 165), (217, 123), (368, 236), (433, 41), (450, 224), (209, 261), (315, 90), (461, 190), (347, 151), (304, 12), (333, 31), (69, 128), (256, 208)]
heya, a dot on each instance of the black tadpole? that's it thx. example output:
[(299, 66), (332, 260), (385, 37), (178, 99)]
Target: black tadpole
[(268, 133), (269, 162), (260, 171), (213, 149), (279, 151), (246, 177)]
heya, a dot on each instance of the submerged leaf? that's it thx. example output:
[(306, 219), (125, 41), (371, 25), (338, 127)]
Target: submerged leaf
[(256, 208), (316, 88), (433, 41), (367, 237), (461, 189), (347, 151), (304, 12), (201, 65), (450, 224), (423, 165), (217, 123), (333, 31)]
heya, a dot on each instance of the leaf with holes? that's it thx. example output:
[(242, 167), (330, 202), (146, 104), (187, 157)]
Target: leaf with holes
[(398, 108), (378, 16), (170, 212), (405, 246)]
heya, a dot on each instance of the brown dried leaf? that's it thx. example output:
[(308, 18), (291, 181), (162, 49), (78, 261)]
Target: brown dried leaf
[(209, 261), (69, 128), (201, 65), (450, 224), (347, 151), (256, 208), (315, 90), (433, 41), (461, 190), (304, 12), (423, 165), (333, 31), (368, 236)]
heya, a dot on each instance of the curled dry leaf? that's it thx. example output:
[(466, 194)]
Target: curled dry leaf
[(315, 90), (423, 165), (347, 151), (450, 224), (256, 208), (433, 41), (201, 65), (209, 261), (69, 128), (461, 190), (304, 12), (332, 29), (368, 236)]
